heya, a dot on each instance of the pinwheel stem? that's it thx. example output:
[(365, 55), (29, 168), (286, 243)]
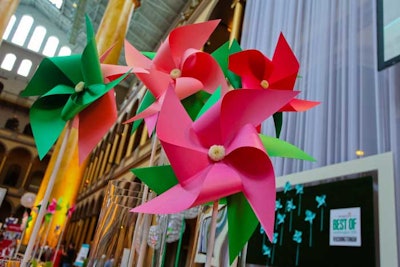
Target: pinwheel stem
[(178, 250), (143, 220), (310, 241), (290, 221), (299, 206), (45, 237), (297, 254), (322, 219), (20, 241), (281, 236), (211, 238), (46, 197), (273, 254), (59, 242)]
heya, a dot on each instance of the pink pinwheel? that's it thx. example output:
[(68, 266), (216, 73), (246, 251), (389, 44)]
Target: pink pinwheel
[(258, 72), (220, 154), (178, 62)]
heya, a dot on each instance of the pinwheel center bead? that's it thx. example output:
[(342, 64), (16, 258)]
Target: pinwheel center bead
[(175, 73), (216, 152), (264, 84), (79, 87)]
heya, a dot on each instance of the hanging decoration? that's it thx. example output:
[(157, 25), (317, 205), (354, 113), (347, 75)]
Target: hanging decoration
[(310, 216), (297, 238), (154, 237), (299, 191), (321, 202), (290, 207)]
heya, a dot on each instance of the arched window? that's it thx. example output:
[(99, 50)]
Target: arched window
[(25, 67), (8, 62), (22, 31), (12, 175), (10, 25), (64, 51), (51, 46), (37, 38)]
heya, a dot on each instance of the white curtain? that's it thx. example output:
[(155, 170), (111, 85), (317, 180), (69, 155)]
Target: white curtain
[(336, 45)]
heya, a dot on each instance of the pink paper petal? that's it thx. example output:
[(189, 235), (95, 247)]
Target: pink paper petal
[(204, 68), (150, 111), (180, 39), (221, 181), (264, 103), (151, 122), (286, 66), (299, 105), (134, 58), (258, 180), (187, 86), (156, 81), (94, 123), (178, 140), (252, 66), (208, 126), (176, 199), (246, 138)]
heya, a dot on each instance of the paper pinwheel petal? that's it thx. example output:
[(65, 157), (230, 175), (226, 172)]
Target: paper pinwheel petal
[(67, 86), (279, 148)]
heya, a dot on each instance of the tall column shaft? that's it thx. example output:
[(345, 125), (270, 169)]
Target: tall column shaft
[(7, 8)]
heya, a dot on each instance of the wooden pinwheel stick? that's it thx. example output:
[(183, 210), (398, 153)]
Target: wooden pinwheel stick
[(211, 238), (28, 253), (143, 220)]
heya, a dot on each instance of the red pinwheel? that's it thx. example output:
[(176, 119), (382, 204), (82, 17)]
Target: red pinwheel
[(220, 154), (178, 62), (258, 72)]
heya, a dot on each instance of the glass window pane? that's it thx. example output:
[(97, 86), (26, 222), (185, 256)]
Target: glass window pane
[(51, 46), (64, 51), (8, 62), (25, 67), (23, 29), (10, 25), (37, 38)]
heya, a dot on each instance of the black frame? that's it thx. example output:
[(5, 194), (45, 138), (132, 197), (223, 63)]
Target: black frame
[(382, 63)]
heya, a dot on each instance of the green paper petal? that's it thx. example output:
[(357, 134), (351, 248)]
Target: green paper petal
[(49, 75), (221, 55), (149, 55), (194, 103), (242, 222), (278, 123), (46, 121), (148, 99), (91, 68), (158, 178), (279, 148), (210, 102)]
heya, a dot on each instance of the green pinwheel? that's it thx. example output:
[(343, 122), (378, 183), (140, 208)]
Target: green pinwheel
[(72, 87)]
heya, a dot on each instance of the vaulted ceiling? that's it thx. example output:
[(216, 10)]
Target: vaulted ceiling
[(149, 23)]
